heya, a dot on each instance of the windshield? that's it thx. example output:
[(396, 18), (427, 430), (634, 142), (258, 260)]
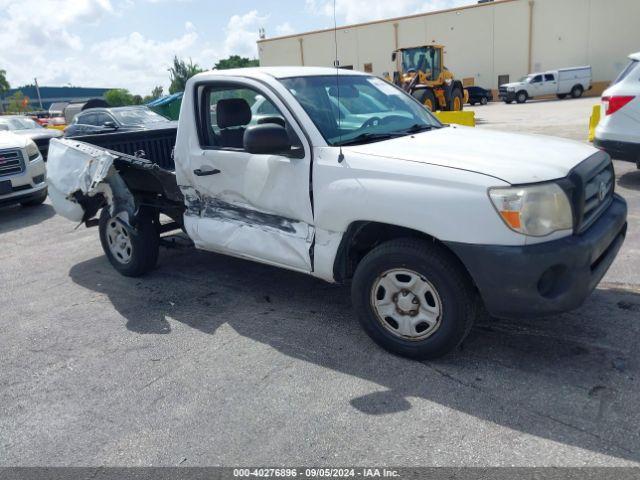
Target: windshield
[(525, 78), (15, 123), (363, 109), (138, 116)]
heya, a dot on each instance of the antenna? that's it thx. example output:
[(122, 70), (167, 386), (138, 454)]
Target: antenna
[(336, 63)]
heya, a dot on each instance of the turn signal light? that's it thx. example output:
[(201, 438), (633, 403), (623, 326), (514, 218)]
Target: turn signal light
[(512, 218), (615, 103)]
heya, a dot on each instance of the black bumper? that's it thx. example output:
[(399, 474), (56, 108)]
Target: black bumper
[(620, 150), (22, 198), (507, 96), (547, 278)]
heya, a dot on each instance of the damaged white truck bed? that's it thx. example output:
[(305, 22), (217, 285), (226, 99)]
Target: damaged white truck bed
[(351, 180)]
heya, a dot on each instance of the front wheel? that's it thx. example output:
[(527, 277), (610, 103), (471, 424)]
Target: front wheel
[(456, 101), (413, 298), (484, 100), (522, 97), (131, 251)]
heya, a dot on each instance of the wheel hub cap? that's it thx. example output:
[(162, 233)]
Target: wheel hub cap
[(406, 304), (119, 241)]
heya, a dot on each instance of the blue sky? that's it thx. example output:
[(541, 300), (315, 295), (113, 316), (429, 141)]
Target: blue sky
[(130, 43)]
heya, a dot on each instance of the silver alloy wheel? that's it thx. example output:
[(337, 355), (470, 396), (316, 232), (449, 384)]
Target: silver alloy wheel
[(406, 304), (119, 241)]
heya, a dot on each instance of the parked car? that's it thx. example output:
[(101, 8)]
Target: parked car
[(22, 171), (618, 132), (479, 95), (423, 220), (562, 83), (29, 128), (108, 120)]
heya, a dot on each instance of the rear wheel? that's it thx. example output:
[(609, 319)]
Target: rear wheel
[(132, 251), (577, 91), (522, 97), (413, 298), (457, 100), (484, 100)]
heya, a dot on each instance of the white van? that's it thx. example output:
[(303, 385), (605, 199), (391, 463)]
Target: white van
[(562, 83)]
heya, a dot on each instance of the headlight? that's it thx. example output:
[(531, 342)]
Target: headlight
[(511, 89), (32, 151), (536, 210)]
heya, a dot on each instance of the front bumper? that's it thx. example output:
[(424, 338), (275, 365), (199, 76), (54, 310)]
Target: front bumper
[(507, 96), (620, 150), (547, 278)]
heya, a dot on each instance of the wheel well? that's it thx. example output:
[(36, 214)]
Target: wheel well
[(362, 237)]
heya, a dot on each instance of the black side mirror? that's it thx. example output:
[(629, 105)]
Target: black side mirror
[(394, 55), (110, 125), (268, 138)]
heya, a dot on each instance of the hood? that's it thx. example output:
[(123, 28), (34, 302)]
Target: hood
[(11, 140), (35, 133), (513, 158), (512, 84)]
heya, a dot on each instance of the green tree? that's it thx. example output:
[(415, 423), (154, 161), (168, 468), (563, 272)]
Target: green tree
[(180, 72), (157, 92), (18, 103), (118, 97), (136, 100), (235, 61), (4, 86)]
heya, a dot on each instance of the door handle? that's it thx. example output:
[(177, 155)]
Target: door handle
[(205, 173)]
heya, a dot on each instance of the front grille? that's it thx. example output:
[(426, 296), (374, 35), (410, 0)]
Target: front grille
[(503, 90), (11, 162), (594, 185)]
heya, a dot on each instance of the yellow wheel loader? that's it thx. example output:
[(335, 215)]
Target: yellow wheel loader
[(423, 75)]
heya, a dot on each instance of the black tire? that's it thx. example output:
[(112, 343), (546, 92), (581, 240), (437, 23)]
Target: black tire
[(508, 102), (456, 93), (35, 201), (577, 91), (144, 243), (426, 98), (484, 100), (561, 96), (443, 271), (522, 97)]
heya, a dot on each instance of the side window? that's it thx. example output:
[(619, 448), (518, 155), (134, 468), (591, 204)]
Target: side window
[(548, 77), (537, 79), (102, 118), (88, 119), (231, 110)]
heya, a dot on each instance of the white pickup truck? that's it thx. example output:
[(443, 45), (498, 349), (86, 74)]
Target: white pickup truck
[(561, 83), (427, 222)]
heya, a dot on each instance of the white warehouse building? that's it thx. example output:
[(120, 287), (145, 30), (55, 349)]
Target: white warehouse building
[(486, 44)]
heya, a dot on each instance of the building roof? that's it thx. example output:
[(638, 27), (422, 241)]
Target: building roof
[(394, 19)]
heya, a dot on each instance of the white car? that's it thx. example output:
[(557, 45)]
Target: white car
[(561, 83), (22, 171), (618, 132), (422, 219)]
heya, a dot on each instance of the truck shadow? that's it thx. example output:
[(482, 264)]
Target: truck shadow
[(16, 217), (571, 379), (630, 180)]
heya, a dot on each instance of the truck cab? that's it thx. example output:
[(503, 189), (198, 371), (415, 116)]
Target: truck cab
[(427, 222)]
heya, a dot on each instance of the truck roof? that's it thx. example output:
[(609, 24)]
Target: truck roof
[(276, 72)]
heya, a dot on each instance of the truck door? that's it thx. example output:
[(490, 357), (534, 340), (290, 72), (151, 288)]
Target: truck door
[(536, 86), (550, 84), (256, 206)]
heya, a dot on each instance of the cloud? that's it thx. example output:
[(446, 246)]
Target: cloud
[(284, 29), (356, 11), (242, 34)]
